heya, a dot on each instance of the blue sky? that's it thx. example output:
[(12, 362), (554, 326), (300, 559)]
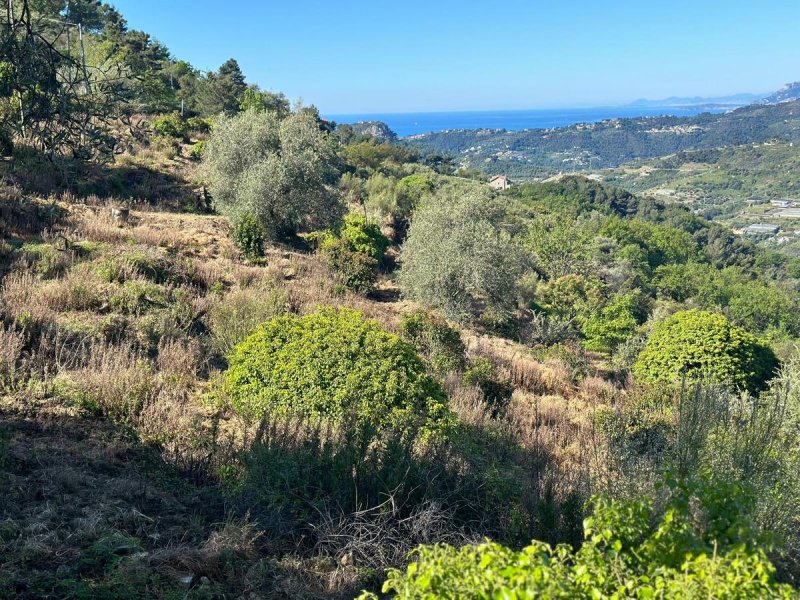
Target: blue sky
[(358, 56)]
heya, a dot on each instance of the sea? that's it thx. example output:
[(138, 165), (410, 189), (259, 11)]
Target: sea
[(406, 124)]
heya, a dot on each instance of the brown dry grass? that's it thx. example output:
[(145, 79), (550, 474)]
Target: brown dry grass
[(11, 347), (517, 367)]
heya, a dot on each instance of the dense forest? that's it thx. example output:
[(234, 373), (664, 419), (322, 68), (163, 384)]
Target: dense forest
[(249, 353), (543, 152)]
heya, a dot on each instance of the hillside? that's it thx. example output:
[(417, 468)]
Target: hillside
[(733, 184), (246, 353), (537, 153)]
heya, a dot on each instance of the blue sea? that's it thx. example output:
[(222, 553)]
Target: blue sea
[(405, 124)]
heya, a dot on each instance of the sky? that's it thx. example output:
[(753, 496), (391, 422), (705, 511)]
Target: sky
[(379, 56)]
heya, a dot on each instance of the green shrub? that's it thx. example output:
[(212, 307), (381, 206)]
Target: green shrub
[(356, 270), (362, 236), (198, 149), (198, 124), (435, 340), (356, 253), (249, 236), (696, 344), (615, 324), (332, 364), (701, 546), (171, 125)]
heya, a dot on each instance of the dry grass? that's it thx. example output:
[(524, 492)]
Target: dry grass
[(179, 357), (233, 317), (192, 235), (11, 347), (115, 380), (518, 368), (17, 296), (79, 290)]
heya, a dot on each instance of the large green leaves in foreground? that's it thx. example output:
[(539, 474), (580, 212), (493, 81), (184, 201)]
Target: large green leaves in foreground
[(699, 547), (332, 364), (697, 345)]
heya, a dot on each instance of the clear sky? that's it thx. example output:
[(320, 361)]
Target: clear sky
[(362, 56)]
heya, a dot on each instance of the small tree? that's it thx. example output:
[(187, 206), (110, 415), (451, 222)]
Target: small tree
[(696, 344), (281, 171), (458, 259)]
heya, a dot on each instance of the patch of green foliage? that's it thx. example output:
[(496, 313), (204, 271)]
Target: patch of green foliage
[(198, 149), (616, 323), (171, 125), (437, 341), (363, 236), (355, 253), (696, 345), (248, 235), (700, 545), (335, 365)]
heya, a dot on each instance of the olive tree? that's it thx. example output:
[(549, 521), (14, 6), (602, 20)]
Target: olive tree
[(458, 259), (282, 171)]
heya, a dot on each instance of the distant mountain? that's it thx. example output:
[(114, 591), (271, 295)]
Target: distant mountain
[(732, 101), (543, 152), (789, 92)]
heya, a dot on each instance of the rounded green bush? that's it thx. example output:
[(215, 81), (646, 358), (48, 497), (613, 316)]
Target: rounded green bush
[(356, 270), (171, 125), (697, 345), (363, 236), (334, 365)]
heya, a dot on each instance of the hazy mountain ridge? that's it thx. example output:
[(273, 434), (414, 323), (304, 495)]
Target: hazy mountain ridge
[(610, 143), (789, 92), (734, 100)]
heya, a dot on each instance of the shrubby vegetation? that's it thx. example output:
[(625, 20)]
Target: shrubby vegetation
[(700, 545), (349, 428), (249, 236), (355, 253), (694, 345), (332, 365)]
